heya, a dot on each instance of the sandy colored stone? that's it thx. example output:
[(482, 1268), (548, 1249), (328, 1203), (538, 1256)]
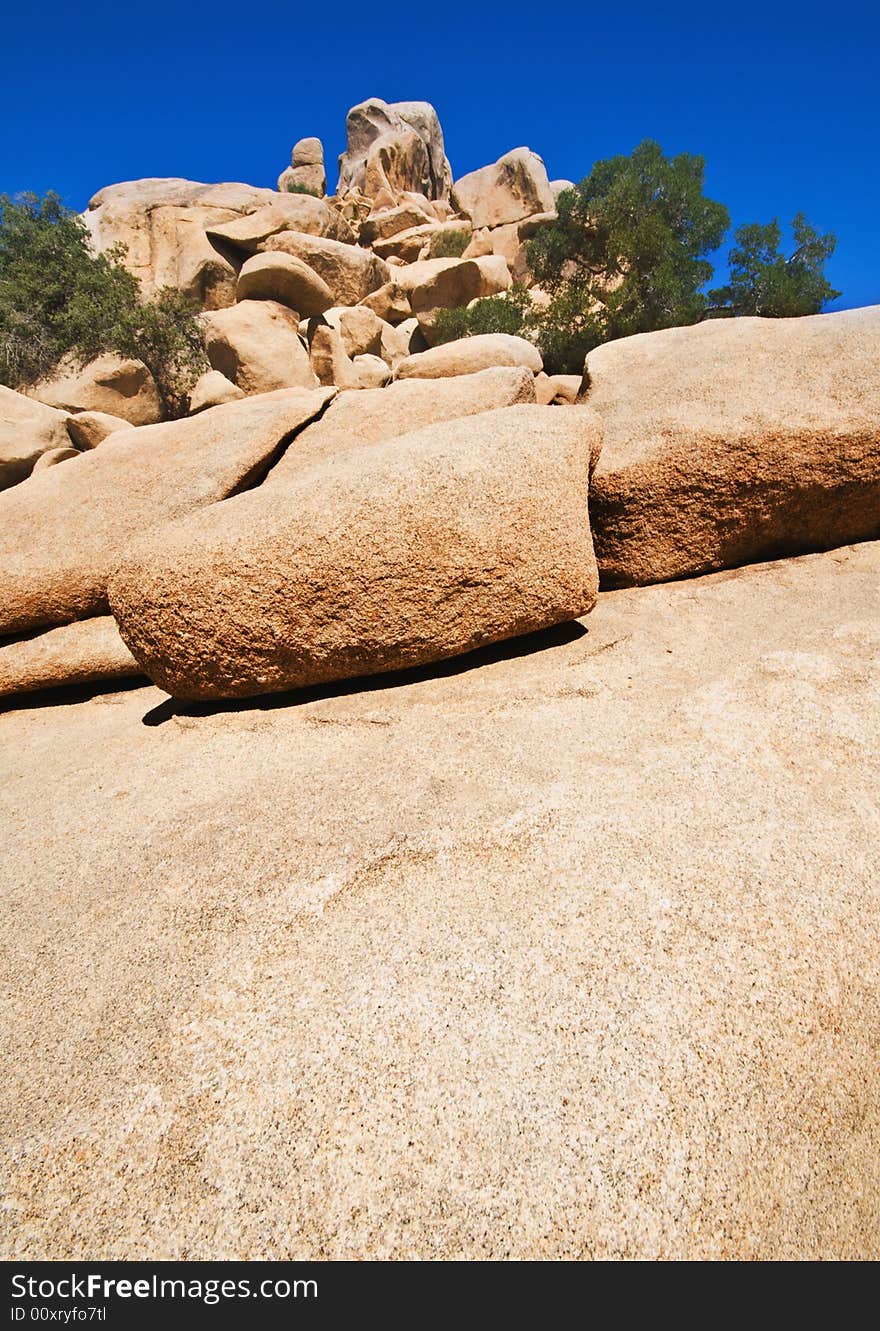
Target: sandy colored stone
[(115, 385), (88, 429), (468, 355), (27, 429), (461, 282), (360, 328), (569, 952), (306, 167), (288, 280), (330, 362), (53, 457), (514, 187), (349, 271), (63, 534), (355, 420), (735, 441), (397, 555), (385, 223), (393, 148), (557, 388), (80, 653), (390, 302), (286, 212), (372, 371), (212, 389), (256, 345)]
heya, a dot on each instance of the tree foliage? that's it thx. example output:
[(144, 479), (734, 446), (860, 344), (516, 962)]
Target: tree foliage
[(58, 299), (764, 282)]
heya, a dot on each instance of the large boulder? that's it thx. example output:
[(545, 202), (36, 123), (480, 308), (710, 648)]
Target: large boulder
[(63, 533), (287, 212), (27, 429), (162, 225), (388, 222), (467, 355), (349, 271), (306, 170), (256, 345), (356, 420), (460, 282), (411, 551), (88, 429), (213, 389), (53, 457), (514, 187), (735, 441), (279, 276), (394, 148), (114, 385), (79, 653)]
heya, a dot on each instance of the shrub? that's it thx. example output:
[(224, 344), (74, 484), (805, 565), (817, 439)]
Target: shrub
[(294, 187), (449, 244), (57, 298), (506, 313), (763, 282)]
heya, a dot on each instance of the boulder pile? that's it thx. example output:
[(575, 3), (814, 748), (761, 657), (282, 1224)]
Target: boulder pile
[(406, 499)]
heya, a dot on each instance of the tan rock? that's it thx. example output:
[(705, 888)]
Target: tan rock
[(390, 302), (256, 345), (111, 384), (557, 186), (356, 420), (306, 167), (403, 340), (88, 429), (79, 653), (27, 429), (288, 212), (557, 389), (360, 329), (393, 149), (213, 389), (62, 534), (459, 283), (408, 552), (281, 277), (514, 187), (388, 222), (371, 371), (350, 272), (53, 456), (467, 355), (735, 441), (331, 364)]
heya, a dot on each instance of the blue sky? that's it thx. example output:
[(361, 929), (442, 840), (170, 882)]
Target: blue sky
[(783, 100)]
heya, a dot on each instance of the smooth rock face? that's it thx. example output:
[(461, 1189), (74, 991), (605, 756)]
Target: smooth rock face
[(212, 389), (349, 271), (256, 345), (441, 541), (460, 283), (735, 441), (110, 384), (355, 420), (306, 167), (283, 278), (63, 534), (394, 148), (558, 978), (27, 429), (514, 187), (88, 429), (53, 457), (80, 653), (468, 355), (289, 212)]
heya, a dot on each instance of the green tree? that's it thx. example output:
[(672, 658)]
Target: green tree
[(764, 282), (59, 299)]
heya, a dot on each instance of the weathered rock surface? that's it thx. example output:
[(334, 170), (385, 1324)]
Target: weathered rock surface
[(514, 187), (114, 385), (27, 429), (557, 976), (88, 429), (256, 345), (735, 441), (390, 222), (394, 148), (53, 457), (557, 388), (281, 277), (461, 282), (407, 552), (80, 653), (212, 389), (355, 420), (287, 212), (306, 168), (349, 271), (468, 355), (63, 534)]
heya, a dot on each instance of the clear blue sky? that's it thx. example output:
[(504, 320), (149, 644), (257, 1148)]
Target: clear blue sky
[(782, 99)]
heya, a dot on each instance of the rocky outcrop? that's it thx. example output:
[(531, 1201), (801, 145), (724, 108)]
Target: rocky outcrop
[(88, 429), (113, 385), (735, 441), (213, 389), (287, 212), (281, 277), (256, 345), (394, 148), (53, 457), (27, 430), (513, 188), (468, 355), (350, 272), (63, 533), (306, 169), (404, 553), (79, 653)]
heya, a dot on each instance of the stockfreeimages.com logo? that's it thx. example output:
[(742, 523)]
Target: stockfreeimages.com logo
[(98, 1288)]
